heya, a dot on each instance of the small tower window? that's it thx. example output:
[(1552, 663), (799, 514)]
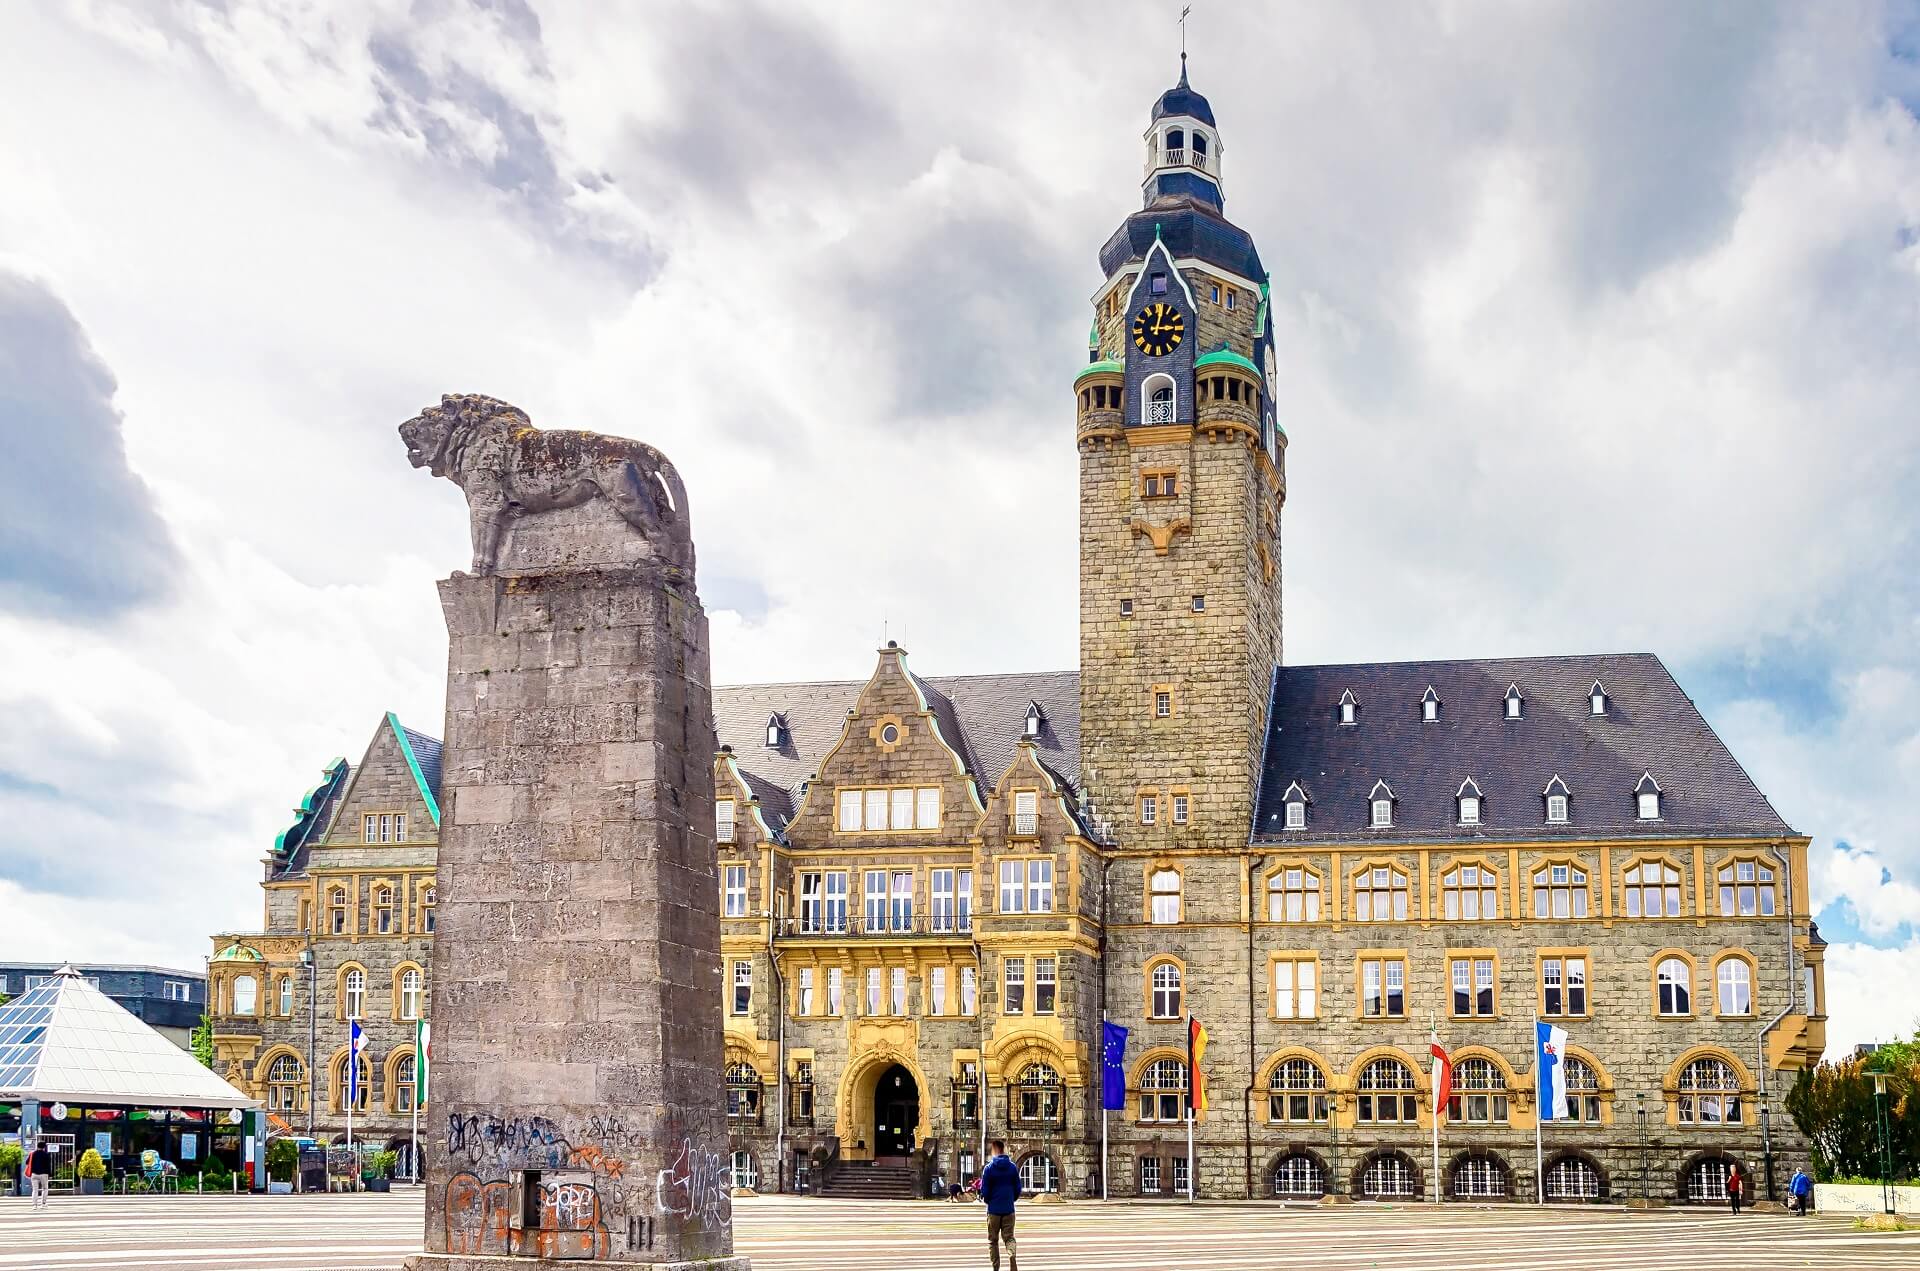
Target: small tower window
[(1215, 293), (1513, 701), (1468, 797), (1349, 707), (1296, 803), (1597, 699), (1230, 295), (1176, 145), (1430, 706), (1035, 718), (1556, 795), (776, 731), (1646, 795), (1126, 607), (1157, 285), (1199, 149), (1380, 806), (1199, 604)]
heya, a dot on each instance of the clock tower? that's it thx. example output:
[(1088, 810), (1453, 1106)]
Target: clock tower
[(1182, 481)]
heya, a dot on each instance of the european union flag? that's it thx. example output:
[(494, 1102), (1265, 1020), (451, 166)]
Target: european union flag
[(1113, 1072)]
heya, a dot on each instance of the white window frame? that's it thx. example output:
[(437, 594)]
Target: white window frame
[(734, 893), (1469, 809), (1296, 814), (936, 990), (835, 915), (1649, 805), (410, 985), (1382, 814), (1296, 988), (1013, 892), (1040, 886), (1557, 809), (1046, 984), (355, 993), (723, 823), (1013, 986), (803, 992), (1149, 809), (742, 979)]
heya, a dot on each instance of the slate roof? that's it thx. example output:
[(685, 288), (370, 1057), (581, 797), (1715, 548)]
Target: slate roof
[(981, 716), (1189, 228), (1182, 100), (426, 752), (1651, 725)]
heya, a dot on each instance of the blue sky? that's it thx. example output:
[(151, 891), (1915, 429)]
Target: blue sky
[(1596, 329)]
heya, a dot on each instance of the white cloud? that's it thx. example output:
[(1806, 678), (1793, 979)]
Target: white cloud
[(1862, 1003)]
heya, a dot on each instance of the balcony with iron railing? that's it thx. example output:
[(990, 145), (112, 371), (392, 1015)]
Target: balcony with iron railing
[(723, 831), (1026, 824), (858, 927)]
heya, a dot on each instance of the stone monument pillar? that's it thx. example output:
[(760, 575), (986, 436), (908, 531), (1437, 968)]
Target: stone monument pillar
[(576, 1106)]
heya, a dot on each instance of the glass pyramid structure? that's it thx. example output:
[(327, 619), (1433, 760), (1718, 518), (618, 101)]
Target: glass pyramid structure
[(66, 1041)]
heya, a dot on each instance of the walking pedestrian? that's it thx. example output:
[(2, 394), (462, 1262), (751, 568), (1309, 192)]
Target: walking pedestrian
[(40, 1167), (1801, 1189), (1736, 1187), (1000, 1188)]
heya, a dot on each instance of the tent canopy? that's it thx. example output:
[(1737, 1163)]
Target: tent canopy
[(66, 1041)]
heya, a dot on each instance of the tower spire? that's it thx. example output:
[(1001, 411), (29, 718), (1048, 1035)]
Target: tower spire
[(1184, 11)]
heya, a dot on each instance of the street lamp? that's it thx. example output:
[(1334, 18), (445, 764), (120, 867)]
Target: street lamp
[(1640, 1112), (313, 1023), (1880, 1127)]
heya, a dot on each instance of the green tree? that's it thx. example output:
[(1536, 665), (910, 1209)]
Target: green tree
[(202, 1042), (1833, 1104)]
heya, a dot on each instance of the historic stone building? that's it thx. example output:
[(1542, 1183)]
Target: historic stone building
[(934, 889), (347, 930)]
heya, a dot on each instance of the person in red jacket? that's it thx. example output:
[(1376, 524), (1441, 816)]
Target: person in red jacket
[(1736, 1187)]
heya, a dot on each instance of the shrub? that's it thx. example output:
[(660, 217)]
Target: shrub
[(283, 1157), (137, 1185), (91, 1166), (381, 1164), (11, 1157)]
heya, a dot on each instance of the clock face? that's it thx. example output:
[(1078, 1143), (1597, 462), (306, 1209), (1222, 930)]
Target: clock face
[(1158, 329)]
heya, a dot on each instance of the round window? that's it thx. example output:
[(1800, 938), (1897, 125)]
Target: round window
[(890, 734)]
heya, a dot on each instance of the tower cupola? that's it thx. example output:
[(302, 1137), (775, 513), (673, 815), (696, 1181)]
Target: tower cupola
[(1183, 148)]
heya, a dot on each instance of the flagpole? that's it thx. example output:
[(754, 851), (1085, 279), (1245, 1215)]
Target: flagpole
[(1433, 1079), (1539, 1114), (413, 1141), (1190, 1187), (1103, 1150)]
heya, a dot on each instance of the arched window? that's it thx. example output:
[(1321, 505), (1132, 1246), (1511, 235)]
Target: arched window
[(1479, 1178), (1746, 889), (410, 994), (383, 910), (1042, 1097), (1298, 1177), (1710, 1093), (1380, 895), (337, 910), (1165, 992), (246, 995), (286, 995), (1297, 1091), (1164, 889), (405, 1075), (1386, 1092), (1479, 1093), (1560, 891), (1653, 890), (1468, 892), (1673, 987), (1039, 1173), (286, 1078), (1572, 1178), (1293, 895), (745, 1172), (1163, 1091), (1157, 400), (1583, 1090), (1199, 149), (1176, 145), (743, 1092), (354, 995), (1707, 1180), (363, 1072), (1734, 981), (1388, 1177), (429, 897)]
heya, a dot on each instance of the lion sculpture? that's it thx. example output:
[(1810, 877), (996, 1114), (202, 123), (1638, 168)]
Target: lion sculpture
[(510, 469)]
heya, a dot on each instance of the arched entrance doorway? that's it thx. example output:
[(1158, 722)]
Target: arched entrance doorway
[(896, 1112)]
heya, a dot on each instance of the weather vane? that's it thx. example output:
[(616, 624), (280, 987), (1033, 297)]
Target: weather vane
[(1184, 11)]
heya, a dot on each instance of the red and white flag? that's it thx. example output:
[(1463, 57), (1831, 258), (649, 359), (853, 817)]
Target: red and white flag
[(1442, 1077)]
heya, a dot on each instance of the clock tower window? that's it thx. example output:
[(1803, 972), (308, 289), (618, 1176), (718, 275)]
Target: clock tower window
[(1157, 406)]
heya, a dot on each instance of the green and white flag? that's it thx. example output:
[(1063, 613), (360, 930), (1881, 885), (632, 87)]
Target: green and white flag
[(422, 1059)]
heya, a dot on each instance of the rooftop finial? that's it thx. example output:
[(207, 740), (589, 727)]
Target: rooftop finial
[(1184, 11)]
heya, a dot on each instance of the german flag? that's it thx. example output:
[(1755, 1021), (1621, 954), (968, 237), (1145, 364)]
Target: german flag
[(1196, 1076)]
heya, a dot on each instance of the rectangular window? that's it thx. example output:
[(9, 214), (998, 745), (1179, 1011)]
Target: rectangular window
[(873, 990), (927, 803), (1382, 812), (902, 911), (899, 990), (803, 1004), (963, 899), (1230, 297), (1296, 988), (1296, 815), (1015, 1000), (1179, 809), (723, 821), (1383, 987), (942, 890), (849, 809), (742, 987), (1045, 985), (1040, 887), (1149, 809), (836, 917), (1157, 285), (1180, 1176), (1026, 812), (286, 995), (1013, 896), (875, 816), (874, 897), (1556, 807), (1472, 986), (1150, 1175), (969, 990), (901, 814), (173, 990), (810, 904), (1199, 604), (1563, 986), (936, 990), (1214, 292), (836, 991), (736, 891), (1469, 809), (1126, 608)]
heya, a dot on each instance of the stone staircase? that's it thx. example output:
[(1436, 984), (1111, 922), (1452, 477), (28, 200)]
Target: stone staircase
[(865, 1180)]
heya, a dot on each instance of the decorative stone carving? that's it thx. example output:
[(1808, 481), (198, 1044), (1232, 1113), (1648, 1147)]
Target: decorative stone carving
[(510, 470)]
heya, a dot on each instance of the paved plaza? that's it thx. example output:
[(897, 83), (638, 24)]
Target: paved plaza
[(296, 1233)]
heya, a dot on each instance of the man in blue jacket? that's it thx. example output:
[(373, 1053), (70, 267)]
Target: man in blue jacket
[(1000, 1188)]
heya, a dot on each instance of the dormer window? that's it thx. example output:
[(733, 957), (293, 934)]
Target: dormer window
[(1296, 803), (1597, 699), (1035, 718), (1513, 701), (1349, 707), (1468, 797), (1380, 806), (1646, 794), (1556, 795), (776, 731), (1430, 706)]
